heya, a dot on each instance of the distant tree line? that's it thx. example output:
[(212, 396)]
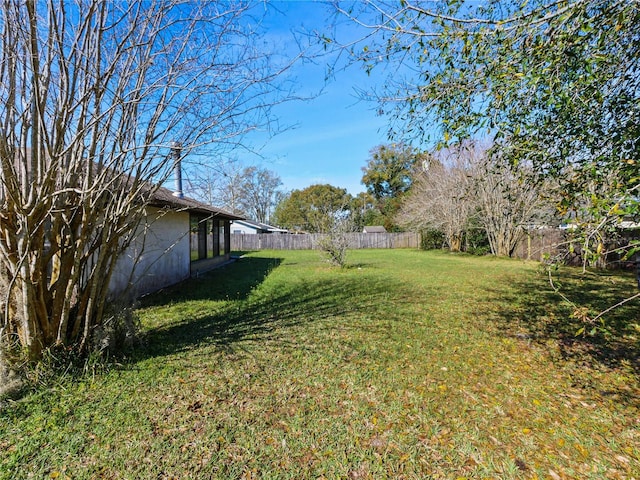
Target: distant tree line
[(251, 191), (462, 198)]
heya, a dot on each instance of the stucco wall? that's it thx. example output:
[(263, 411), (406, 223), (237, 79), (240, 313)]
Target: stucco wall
[(158, 257)]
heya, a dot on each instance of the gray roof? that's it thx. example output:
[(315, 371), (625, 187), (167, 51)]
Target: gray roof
[(261, 226), (374, 229), (163, 197)]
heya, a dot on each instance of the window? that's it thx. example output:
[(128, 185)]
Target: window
[(226, 243), (198, 237), (215, 237), (208, 237)]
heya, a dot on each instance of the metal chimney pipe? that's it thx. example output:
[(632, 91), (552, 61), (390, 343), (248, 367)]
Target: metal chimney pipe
[(177, 169)]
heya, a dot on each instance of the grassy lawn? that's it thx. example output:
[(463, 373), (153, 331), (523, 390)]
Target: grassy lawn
[(408, 364)]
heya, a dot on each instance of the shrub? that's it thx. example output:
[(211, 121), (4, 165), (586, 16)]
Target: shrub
[(336, 242), (432, 240)]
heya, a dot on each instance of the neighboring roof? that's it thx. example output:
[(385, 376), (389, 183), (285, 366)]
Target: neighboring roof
[(261, 226), (164, 197), (374, 229)]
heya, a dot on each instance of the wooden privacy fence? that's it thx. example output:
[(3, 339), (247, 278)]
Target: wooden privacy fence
[(537, 243), (277, 241)]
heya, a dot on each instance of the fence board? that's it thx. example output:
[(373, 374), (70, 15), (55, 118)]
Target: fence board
[(275, 241), (535, 244)]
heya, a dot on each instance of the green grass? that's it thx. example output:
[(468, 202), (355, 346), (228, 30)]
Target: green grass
[(408, 364)]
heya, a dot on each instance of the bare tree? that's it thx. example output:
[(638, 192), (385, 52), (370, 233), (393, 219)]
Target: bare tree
[(440, 200), (259, 192), (467, 182), (250, 191), (92, 96), (219, 185), (335, 243), (508, 199), (203, 181)]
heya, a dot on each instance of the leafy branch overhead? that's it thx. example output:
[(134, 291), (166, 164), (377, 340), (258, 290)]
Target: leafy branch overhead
[(314, 209), (389, 176), (555, 85)]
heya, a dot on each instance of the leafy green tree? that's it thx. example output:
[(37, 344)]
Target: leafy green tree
[(388, 173), (388, 176), (556, 84), (364, 211), (313, 209)]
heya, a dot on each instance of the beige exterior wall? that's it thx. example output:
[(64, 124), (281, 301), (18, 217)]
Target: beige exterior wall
[(157, 258)]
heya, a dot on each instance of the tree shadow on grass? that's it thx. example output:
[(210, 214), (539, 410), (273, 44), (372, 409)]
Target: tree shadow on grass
[(236, 315), (232, 281), (531, 310)]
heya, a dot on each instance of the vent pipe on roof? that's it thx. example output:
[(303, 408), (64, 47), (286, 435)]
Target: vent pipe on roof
[(177, 169)]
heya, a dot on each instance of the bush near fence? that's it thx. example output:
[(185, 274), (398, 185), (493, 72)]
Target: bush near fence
[(275, 241)]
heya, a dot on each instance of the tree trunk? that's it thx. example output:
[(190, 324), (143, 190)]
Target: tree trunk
[(455, 243), (92, 105)]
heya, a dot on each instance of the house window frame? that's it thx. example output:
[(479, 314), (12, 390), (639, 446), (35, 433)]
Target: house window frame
[(227, 237), (197, 236), (215, 232), (213, 236)]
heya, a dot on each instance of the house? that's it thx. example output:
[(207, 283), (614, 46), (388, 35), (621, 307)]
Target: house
[(247, 226), (179, 237), (374, 229)]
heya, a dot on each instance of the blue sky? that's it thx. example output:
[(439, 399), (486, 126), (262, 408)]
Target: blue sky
[(330, 135)]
